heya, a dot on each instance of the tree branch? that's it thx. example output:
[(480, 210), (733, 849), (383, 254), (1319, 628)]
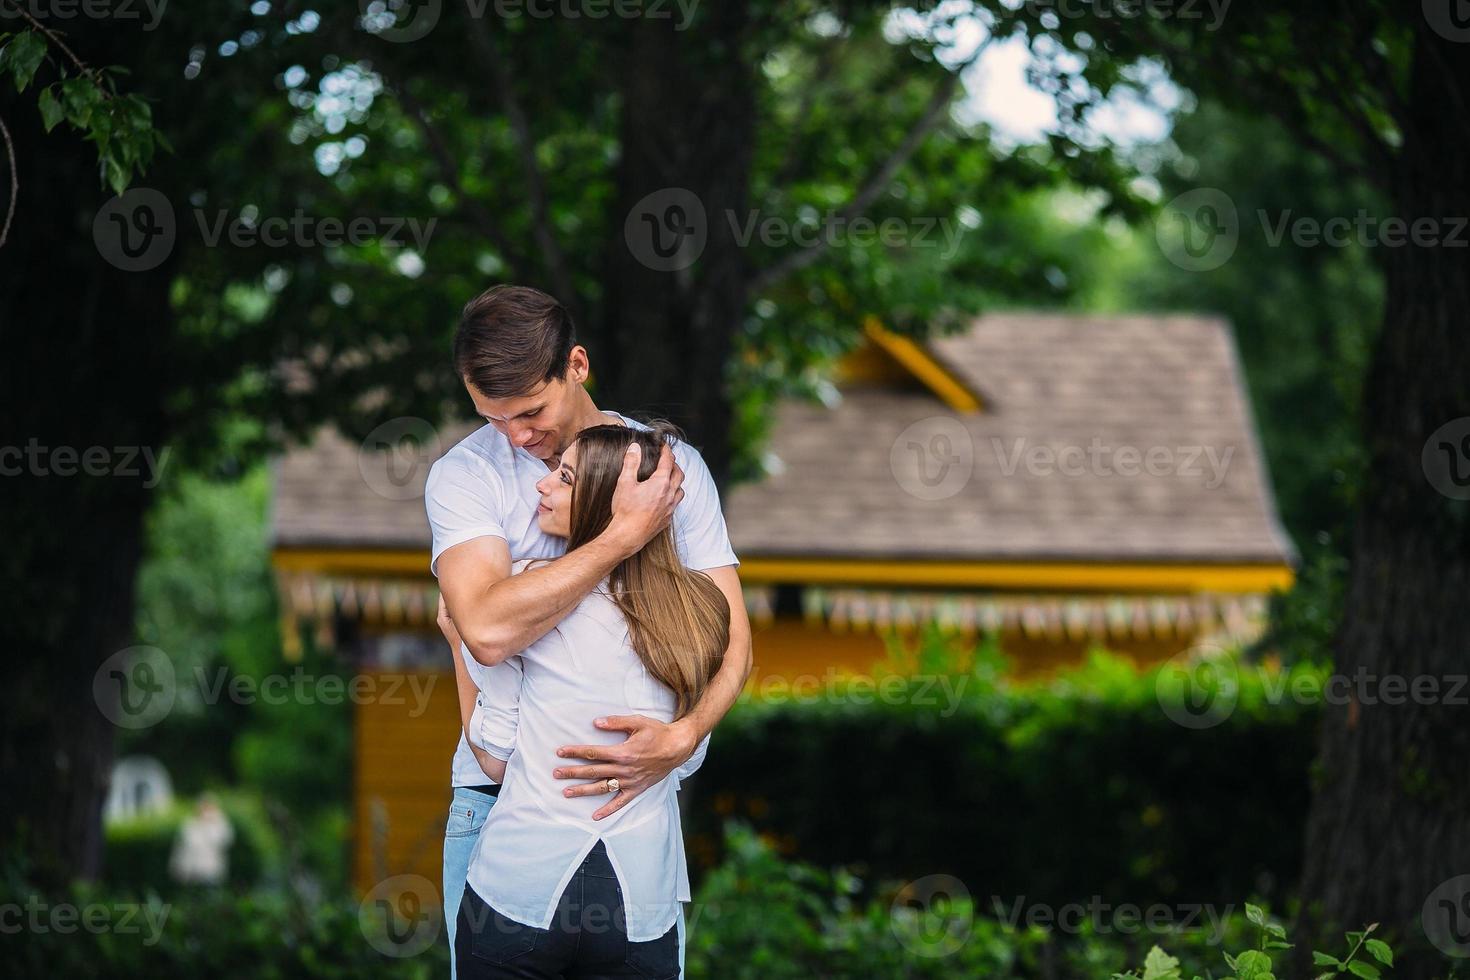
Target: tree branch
[(55, 39), (14, 182), (551, 253), (876, 182)]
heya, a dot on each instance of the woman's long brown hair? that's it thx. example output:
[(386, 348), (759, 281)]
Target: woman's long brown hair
[(678, 619)]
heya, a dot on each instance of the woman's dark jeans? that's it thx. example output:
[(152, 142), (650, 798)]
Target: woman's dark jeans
[(588, 938)]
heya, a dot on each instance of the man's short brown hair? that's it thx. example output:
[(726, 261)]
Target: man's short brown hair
[(512, 339)]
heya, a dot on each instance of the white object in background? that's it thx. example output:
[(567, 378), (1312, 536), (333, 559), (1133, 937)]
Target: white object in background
[(202, 851), (140, 787)]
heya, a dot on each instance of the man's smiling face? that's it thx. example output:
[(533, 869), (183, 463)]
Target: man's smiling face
[(542, 422)]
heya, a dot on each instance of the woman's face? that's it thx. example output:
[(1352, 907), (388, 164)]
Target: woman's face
[(554, 514)]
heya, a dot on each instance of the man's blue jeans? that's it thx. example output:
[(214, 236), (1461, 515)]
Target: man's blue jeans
[(467, 813)]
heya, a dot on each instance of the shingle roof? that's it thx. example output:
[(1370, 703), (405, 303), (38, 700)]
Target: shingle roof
[(332, 494), (1090, 386), (845, 486)]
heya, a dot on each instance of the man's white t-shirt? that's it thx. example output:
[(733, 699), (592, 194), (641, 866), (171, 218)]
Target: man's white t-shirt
[(485, 486)]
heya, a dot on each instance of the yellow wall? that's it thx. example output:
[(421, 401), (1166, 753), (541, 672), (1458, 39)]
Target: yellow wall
[(401, 776)]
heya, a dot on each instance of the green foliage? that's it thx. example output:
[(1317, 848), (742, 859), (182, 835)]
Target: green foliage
[(755, 917), (760, 917), (120, 125), (206, 598), (1258, 963), (1087, 755)]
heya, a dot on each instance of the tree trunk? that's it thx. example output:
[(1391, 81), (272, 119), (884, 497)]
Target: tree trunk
[(1391, 818), (688, 128), (82, 344)]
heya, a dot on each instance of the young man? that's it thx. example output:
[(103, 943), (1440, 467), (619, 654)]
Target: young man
[(517, 354)]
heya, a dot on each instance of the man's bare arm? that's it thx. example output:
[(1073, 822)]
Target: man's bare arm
[(654, 749), (499, 614)]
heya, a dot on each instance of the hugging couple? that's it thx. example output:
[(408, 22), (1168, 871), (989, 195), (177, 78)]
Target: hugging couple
[(598, 632)]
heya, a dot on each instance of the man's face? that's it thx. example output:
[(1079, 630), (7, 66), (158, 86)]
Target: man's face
[(543, 421)]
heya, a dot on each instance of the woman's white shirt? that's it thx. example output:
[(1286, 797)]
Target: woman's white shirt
[(534, 837), (484, 486)]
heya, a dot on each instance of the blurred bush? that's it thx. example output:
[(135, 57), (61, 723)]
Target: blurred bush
[(756, 917), (1077, 786)]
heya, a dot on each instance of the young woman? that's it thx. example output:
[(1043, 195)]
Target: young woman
[(551, 892)]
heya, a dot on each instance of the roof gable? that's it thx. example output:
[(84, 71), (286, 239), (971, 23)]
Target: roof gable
[(1103, 438)]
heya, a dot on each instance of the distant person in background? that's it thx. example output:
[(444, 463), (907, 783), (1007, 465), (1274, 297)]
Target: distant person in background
[(517, 355), (201, 854)]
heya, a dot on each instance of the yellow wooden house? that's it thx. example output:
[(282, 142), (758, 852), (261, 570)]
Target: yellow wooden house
[(1060, 481)]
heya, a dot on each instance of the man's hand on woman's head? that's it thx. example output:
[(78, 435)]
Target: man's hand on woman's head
[(652, 750), (643, 508)]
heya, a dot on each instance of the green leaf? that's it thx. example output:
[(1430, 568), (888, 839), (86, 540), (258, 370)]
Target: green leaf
[(1254, 913), (80, 96), (51, 112), (1277, 930), (117, 175), (23, 56), (1253, 965), (139, 112), (1381, 951), (1320, 958), (1361, 969), (1159, 965)]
